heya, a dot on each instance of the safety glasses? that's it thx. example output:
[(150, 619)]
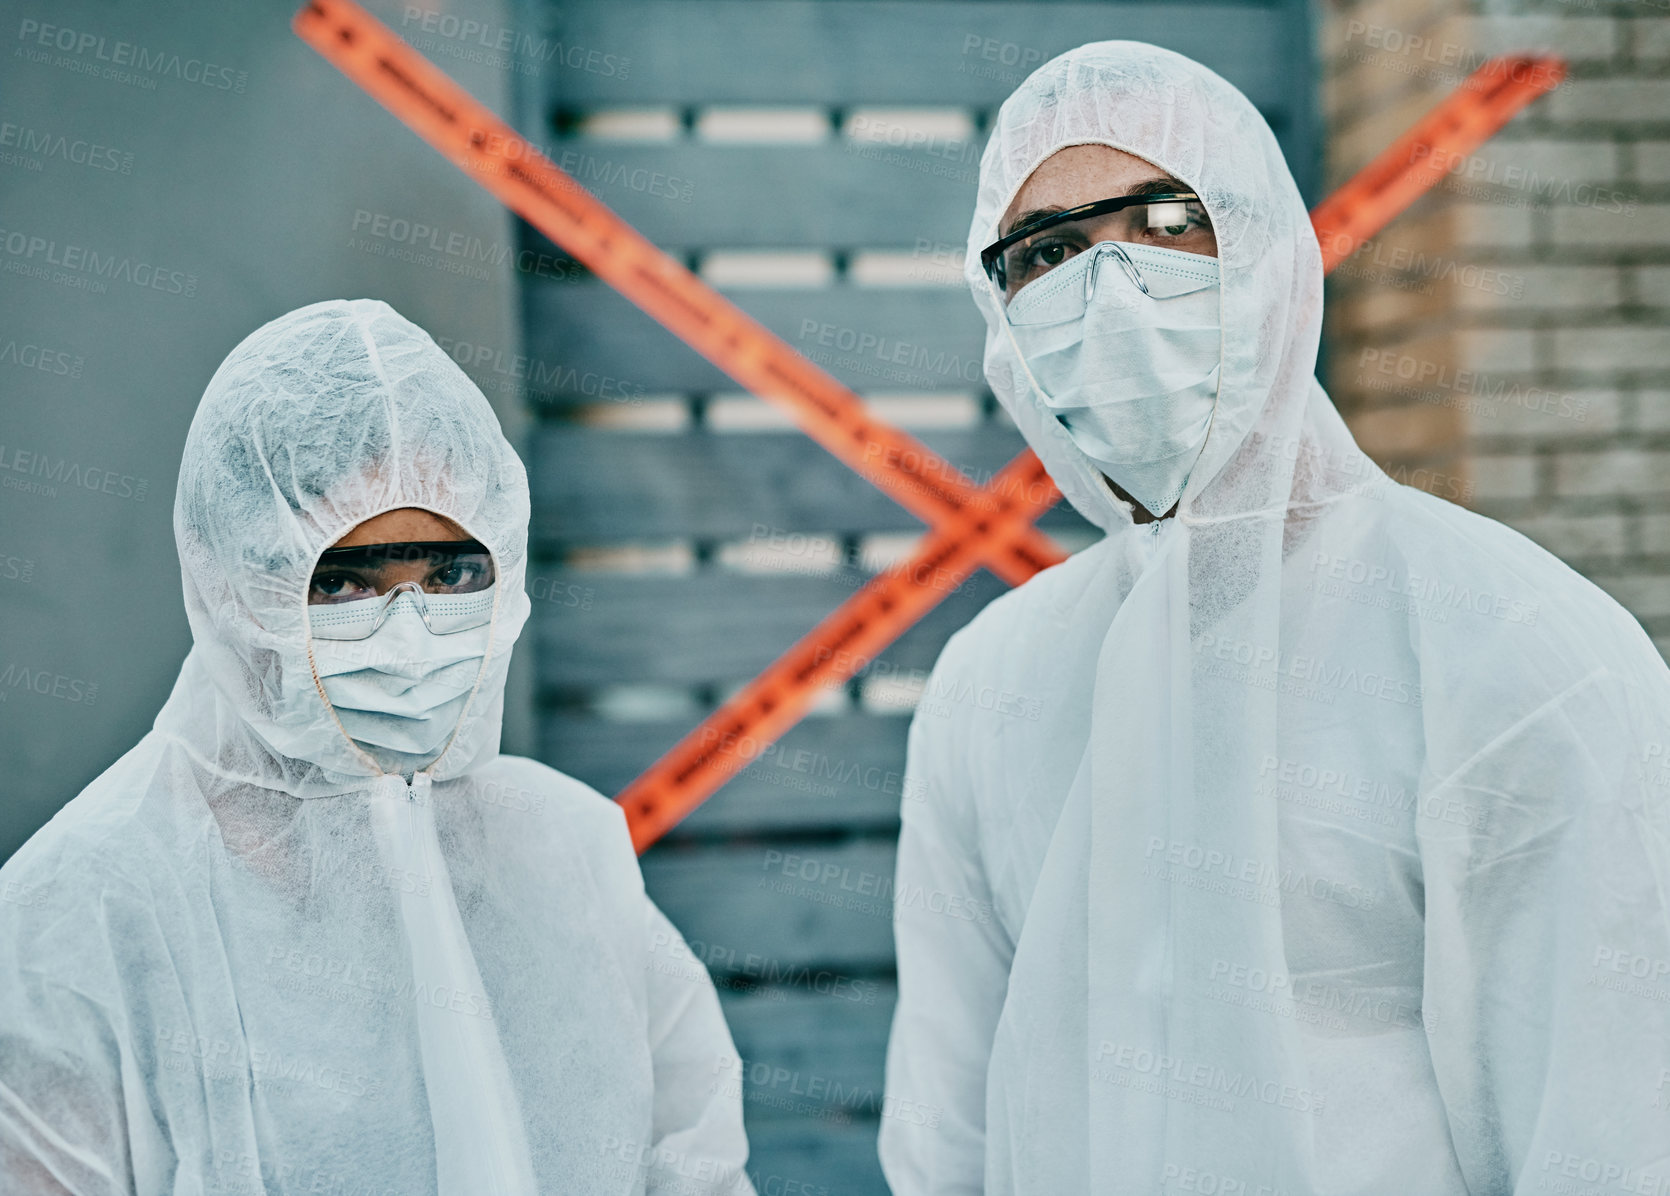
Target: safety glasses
[(355, 590), (443, 614), (1155, 274), (1169, 220)]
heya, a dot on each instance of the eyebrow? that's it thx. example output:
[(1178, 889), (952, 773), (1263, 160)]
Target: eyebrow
[(1158, 186)]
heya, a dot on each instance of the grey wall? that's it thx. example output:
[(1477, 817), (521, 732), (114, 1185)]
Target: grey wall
[(248, 177)]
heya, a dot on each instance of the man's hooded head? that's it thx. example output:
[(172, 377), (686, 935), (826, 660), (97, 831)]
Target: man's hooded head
[(1195, 127), (316, 422)]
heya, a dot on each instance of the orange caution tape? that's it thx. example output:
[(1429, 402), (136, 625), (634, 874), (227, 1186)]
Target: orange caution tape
[(970, 526), (1484, 102), (467, 132), (842, 644)]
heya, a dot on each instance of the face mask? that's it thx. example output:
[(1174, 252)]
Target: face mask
[(1131, 371), (400, 691)]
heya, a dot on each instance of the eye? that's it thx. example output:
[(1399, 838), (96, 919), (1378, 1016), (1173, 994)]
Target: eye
[(464, 575), (1034, 259), (1046, 255), (1049, 255), (1175, 219), (336, 586)]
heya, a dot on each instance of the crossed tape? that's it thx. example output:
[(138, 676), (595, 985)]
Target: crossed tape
[(969, 527)]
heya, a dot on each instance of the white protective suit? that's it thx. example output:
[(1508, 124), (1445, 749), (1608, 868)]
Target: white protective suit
[(1322, 844), (244, 961)]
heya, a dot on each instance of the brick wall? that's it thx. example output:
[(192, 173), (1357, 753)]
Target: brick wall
[(1506, 343)]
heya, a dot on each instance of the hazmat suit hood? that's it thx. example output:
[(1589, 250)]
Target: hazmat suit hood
[(316, 422), (1192, 124)]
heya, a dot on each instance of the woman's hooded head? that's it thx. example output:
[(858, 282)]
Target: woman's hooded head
[(1193, 125), (316, 422)]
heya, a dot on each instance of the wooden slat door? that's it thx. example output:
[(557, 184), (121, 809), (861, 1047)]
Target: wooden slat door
[(678, 552)]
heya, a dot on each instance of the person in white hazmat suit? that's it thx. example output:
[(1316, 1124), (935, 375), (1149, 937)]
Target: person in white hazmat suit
[(1336, 859), (314, 934)]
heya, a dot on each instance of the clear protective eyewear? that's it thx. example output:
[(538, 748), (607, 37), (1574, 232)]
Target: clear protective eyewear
[(1065, 293), (1168, 219), (447, 583)]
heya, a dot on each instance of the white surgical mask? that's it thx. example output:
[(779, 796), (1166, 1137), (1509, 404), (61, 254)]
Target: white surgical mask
[(400, 691), (1123, 343)]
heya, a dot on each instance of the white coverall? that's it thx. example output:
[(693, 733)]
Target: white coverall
[(244, 961), (1320, 845)]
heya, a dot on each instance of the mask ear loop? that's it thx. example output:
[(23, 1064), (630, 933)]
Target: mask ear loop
[(313, 666), (1009, 331)]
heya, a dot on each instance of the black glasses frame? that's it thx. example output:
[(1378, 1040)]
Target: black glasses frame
[(405, 550), (992, 255)]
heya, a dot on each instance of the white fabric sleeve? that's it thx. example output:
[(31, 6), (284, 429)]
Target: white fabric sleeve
[(63, 1127), (953, 965), (1547, 860), (699, 1143)]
